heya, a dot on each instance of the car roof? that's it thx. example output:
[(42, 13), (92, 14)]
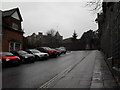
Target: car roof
[(4, 51), (31, 49), (18, 51)]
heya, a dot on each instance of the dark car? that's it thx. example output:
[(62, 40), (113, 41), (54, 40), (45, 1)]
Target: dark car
[(24, 56), (8, 59), (59, 51), (38, 55), (63, 49), (51, 52)]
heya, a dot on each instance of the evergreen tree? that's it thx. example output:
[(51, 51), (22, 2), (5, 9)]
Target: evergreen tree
[(74, 35)]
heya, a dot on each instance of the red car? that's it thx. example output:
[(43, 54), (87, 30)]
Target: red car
[(8, 59), (51, 52)]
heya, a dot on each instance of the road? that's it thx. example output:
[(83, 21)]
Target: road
[(36, 74)]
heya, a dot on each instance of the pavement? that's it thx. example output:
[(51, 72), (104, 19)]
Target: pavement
[(90, 72)]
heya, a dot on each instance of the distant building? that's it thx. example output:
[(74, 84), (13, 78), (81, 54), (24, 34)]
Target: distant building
[(58, 36), (12, 33), (35, 40), (68, 43), (89, 40), (71, 43)]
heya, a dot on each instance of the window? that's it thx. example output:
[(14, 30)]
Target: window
[(14, 46), (11, 46), (15, 26), (17, 46)]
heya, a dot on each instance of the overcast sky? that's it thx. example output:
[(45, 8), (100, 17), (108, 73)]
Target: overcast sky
[(42, 16)]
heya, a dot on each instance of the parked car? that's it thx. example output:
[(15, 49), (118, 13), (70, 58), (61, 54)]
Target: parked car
[(63, 49), (8, 59), (24, 56), (59, 50), (51, 52), (38, 55)]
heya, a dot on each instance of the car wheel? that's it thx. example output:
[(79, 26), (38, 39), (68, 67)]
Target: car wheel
[(37, 58), (32, 61), (18, 64)]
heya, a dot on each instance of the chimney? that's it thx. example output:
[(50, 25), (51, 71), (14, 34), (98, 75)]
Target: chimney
[(40, 33)]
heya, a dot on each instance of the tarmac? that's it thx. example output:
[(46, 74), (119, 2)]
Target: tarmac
[(92, 72)]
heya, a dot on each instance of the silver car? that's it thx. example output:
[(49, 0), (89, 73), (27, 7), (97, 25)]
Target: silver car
[(38, 55)]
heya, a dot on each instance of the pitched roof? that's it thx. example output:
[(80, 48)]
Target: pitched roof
[(67, 40), (10, 12), (57, 34)]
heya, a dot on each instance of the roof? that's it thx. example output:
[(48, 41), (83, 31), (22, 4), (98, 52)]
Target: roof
[(10, 12), (57, 34), (67, 40)]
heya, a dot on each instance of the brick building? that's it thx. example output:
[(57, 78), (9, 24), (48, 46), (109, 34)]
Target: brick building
[(12, 33)]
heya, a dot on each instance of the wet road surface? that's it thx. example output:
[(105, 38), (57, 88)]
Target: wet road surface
[(36, 74)]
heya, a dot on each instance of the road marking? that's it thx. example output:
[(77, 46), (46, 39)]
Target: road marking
[(61, 74)]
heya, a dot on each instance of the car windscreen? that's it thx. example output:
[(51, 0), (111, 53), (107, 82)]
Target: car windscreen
[(47, 48), (5, 54), (21, 52), (58, 49)]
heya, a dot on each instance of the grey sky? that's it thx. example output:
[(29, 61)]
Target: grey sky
[(42, 16)]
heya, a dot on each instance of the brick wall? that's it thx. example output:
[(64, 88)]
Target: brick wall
[(8, 35), (9, 20)]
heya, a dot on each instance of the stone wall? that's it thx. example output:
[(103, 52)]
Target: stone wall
[(109, 33)]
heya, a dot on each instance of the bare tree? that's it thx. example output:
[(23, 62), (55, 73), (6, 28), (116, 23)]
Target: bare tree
[(96, 5), (51, 32)]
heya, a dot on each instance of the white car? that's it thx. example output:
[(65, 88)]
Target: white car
[(38, 55)]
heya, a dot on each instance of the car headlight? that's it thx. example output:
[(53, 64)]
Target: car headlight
[(18, 58), (7, 59)]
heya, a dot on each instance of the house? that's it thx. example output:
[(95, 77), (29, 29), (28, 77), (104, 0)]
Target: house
[(12, 33), (88, 40), (71, 43), (38, 40), (68, 43)]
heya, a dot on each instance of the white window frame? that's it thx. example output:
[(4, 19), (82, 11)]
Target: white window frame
[(10, 46), (14, 45)]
